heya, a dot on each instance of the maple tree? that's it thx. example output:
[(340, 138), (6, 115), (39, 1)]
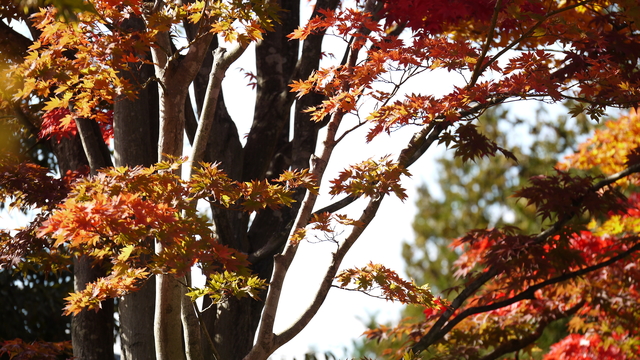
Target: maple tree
[(119, 74)]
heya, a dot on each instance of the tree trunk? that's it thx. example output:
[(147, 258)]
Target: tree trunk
[(91, 331), (135, 135), (136, 323), (234, 322)]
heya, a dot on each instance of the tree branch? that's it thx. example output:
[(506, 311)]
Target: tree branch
[(222, 59), (529, 33), (312, 45), (367, 215), (422, 140), (205, 331), (530, 291), (14, 45), (190, 325), (94, 146), (266, 342), (416, 147), (479, 69)]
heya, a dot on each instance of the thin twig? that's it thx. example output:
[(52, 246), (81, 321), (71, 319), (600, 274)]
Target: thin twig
[(529, 32), (485, 49), (216, 355)]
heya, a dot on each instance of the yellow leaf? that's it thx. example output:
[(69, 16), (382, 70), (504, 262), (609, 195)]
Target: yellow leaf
[(126, 252)]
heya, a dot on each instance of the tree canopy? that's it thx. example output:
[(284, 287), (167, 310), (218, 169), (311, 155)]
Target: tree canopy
[(114, 88)]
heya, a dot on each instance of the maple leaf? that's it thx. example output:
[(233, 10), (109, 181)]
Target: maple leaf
[(370, 178), (565, 194), (114, 285), (470, 144), (31, 186), (222, 286), (54, 127)]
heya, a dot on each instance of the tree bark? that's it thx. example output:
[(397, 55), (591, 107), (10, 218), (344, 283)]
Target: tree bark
[(91, 331), (234, 322), (136, 323), (135, 128), (175, 75), (269, 151)]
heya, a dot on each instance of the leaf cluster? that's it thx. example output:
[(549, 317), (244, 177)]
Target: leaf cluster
[(222, 286), (371, 178), (564, 195), (585, 273), (376, 276), (20, 350)]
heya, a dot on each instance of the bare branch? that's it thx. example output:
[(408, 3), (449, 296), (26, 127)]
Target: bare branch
[(340, 204), (529, 33), (367, 216), (492, 28), (222, 59)]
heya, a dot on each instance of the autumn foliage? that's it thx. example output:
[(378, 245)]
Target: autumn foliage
[(68, 83)]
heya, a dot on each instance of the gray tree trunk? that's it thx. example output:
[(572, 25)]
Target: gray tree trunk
[(270, 149), (135, 128)]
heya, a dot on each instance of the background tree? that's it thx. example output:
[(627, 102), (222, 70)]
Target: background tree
[(478, 194), (92, 75), (31, 307)]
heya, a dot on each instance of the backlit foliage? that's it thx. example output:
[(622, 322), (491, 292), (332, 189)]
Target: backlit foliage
[(611, 149)]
